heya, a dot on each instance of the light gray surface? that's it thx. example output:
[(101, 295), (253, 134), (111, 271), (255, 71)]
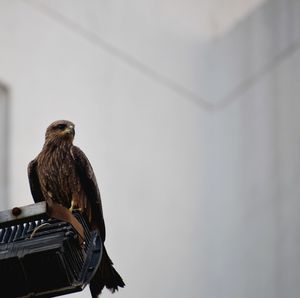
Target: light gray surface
[(22, 214), (4, 147), (200, 198)]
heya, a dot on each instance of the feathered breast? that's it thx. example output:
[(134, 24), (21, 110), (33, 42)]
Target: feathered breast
[(57, 175)]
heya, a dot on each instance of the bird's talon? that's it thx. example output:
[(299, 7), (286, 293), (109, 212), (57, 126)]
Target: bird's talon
[(72, 207)]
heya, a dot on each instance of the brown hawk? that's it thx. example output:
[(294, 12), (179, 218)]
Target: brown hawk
[(62, 173)]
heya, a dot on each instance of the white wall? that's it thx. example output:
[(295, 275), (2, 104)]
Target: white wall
[(4, 137), (194, 141)]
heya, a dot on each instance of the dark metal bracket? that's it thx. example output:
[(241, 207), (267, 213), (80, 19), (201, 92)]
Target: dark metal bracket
[(41, 256)]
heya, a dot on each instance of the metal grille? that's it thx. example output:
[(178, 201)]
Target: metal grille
[(44, 257)]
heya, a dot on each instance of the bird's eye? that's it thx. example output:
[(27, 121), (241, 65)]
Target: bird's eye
[(61, 126)]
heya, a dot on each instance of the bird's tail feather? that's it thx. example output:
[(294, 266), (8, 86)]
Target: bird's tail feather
[(105, 276)]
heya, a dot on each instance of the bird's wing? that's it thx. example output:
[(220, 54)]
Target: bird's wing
[(90, 187), (34, 182)]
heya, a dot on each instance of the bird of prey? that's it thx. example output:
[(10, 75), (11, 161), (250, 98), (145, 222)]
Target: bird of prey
[(62, 173)]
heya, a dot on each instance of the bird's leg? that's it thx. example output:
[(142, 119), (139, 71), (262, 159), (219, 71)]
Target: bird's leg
[(72, 206)]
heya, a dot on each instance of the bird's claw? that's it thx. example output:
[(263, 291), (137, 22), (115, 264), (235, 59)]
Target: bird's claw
[(72, 208)]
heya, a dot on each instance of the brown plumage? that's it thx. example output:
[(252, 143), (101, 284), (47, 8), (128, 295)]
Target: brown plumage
[(62, 173)]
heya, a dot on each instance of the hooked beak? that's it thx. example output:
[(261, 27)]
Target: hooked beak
[(70, 130)]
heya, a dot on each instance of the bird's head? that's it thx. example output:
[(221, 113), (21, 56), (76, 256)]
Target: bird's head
[(60, 131)]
